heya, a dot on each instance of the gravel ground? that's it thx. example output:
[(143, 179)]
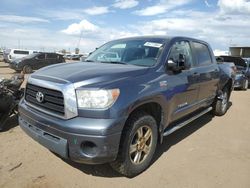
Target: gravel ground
[(209, 152)]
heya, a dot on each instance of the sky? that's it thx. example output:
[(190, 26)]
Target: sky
[(52, 25)]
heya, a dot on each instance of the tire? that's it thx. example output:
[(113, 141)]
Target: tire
[(245, 85), (220, 106), (27, 69), (132, 163)]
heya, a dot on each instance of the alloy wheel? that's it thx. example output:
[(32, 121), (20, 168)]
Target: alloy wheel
[(140, 145)]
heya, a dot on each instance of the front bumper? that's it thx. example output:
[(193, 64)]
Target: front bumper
[(84, 140), (14, 66)]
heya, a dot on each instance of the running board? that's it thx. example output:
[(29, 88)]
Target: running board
[(180, 125)]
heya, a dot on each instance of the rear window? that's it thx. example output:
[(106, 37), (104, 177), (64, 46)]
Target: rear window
[(202, 53), (21, 52)]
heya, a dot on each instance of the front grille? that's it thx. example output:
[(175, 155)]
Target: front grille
[(53, 100)]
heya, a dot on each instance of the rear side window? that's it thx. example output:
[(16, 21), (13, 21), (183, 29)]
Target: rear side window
[(51, 56), (202, 53), (21, 52)]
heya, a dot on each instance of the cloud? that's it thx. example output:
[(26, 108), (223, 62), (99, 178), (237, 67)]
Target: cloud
[(78, 28), (125, 4), (71, 14), (207, 3), (21, 19), (162, 7), (219, 30), (96, 10), (234, 6), (62, 14)]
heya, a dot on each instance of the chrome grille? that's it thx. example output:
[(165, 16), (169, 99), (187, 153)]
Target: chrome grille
[(53, 100)]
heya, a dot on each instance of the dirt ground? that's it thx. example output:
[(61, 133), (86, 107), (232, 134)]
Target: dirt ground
[(210, 152)]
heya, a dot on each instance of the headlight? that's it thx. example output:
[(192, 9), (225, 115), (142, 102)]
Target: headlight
[(96, 99)]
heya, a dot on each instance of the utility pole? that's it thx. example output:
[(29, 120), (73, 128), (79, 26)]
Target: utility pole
[(18, 43), (79, 41)]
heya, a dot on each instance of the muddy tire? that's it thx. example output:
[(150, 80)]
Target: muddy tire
[(137, 146)]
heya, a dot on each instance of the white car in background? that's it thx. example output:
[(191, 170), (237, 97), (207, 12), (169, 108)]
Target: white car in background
[(11, 54)]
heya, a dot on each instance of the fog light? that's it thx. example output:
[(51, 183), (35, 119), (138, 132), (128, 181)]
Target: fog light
[(89, 148)]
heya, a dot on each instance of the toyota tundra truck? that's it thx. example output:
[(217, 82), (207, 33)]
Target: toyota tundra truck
[(128, 94)]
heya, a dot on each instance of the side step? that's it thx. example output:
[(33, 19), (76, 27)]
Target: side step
[(180, 125)]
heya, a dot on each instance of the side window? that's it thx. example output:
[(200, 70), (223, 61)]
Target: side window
[(202, 53), (21, 52), (41, 56), (51, 56), (181, 50)]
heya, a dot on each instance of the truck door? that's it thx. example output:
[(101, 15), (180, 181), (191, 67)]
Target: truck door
[(184, 84), (207, 72)]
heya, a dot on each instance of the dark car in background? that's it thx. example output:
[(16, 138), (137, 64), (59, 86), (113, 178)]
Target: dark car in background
[(36, 61), (247, 72), (241, 79)]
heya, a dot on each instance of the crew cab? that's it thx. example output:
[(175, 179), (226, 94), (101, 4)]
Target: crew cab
[(127, 95)]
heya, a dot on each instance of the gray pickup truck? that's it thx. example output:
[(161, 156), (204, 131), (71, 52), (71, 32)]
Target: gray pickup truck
[(127, 95)]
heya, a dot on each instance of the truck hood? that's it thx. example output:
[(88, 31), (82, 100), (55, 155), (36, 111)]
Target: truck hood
[(88, 73)]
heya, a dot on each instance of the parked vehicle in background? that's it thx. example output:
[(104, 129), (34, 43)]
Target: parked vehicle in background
[(12, 54), (247, 72), (241, 79), (124, 99), (1, 55), (84, 57), (76, 57), (35, 61), (67, 56)]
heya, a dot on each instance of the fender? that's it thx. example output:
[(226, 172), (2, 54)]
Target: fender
[(157, 99)]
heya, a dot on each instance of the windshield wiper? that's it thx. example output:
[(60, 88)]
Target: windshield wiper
[(115, 62), (89, 60)]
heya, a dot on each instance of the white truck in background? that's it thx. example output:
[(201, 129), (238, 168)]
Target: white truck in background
[(11, 54)]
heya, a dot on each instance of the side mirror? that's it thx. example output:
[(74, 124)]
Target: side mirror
[(172, 65), (179, 64)]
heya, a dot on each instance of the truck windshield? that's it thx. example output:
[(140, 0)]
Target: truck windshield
[(135, 52)]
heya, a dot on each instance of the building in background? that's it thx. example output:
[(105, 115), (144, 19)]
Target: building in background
[(240, 51)]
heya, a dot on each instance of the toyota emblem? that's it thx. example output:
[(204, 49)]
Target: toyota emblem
[(39, 97)]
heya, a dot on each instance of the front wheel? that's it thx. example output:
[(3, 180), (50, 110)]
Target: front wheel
[(27, 69), (220, 106), (137, 147)]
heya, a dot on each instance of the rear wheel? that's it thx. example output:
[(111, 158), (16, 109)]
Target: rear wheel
[(220, 106), (27, 69), (137, 147)]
